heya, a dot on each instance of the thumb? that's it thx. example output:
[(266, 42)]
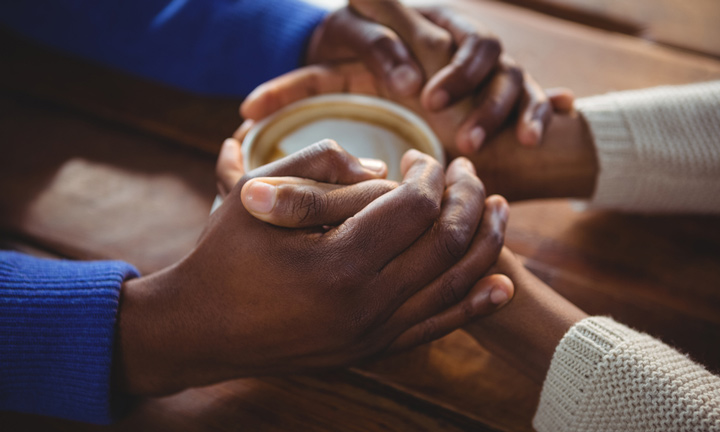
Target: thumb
[(296, 202)]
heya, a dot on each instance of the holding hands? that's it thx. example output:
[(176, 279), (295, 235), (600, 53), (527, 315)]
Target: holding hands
[(376, 266), (431, 60), (369, 265)]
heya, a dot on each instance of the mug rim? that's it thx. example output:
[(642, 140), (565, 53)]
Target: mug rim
[(354, 99)]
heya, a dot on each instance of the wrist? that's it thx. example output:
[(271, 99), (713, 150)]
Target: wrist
[(526, 332), (141, 349), (576, 167), (563, 165)]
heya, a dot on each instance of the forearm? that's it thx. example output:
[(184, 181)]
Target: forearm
[(526, 332), (566, 158), (593, 370), (563, 165)]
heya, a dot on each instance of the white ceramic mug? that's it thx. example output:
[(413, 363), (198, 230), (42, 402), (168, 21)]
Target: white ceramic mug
[(365, 126)]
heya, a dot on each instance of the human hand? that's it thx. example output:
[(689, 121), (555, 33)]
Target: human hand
[(527, 331), (256, 299), (355, 78), (462, 64), (565, 165)]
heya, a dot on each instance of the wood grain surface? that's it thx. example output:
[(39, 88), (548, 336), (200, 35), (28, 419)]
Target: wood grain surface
[(690, 24), (97, 164)]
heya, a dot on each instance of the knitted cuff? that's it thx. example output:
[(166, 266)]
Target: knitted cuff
[(657, 148), (570, 380), (617, 182), (605, 376), (57, 328)]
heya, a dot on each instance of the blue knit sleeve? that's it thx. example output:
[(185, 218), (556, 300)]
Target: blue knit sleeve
[(215, 47), (57, 328)]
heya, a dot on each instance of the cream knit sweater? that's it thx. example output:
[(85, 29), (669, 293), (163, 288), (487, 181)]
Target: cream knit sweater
[(659, 151)]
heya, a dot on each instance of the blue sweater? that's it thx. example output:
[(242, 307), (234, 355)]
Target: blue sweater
[(57, 326), (215, 47), (57, 318)]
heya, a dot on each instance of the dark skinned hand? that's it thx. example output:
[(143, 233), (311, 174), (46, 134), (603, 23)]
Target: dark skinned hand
[(450, 61), (399, 265)]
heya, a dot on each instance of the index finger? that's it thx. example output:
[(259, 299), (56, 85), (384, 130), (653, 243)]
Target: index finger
[(430, 44), (478, 53)]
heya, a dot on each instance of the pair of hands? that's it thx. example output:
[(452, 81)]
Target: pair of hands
[(371, 266), (564, 165), (431, 60), (446, 55)]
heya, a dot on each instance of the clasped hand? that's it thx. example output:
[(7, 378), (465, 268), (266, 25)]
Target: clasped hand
[(378, 267)]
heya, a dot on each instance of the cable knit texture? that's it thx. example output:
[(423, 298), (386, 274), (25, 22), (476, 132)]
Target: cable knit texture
[(658, 148), (607, 377), (57, 327)]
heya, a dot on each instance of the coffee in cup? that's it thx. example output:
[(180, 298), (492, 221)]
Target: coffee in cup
[(365, 126)]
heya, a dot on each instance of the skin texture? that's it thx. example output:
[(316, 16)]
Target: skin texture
[(482, 99), (454, 65), (564, 165), (255, 299), (524, 333)]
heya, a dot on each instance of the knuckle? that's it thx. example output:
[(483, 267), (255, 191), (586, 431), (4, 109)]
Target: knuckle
[(429, 331), (467, 310), (453, 239), (450, 290), (309, 205), (383, 51), (332, 158), (422, 204), (475, 43), (472, 186), (328, 148), (435, 42)]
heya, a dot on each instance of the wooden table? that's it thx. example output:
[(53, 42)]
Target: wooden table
[(100, 165)]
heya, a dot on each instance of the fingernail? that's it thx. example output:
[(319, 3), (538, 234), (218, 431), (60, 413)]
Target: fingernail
[(535, 130), (374, 165), (260, 197), (498, 296), (477, 136), (503, 211), (229, 145), (468, 165), (439, 99), (404, 79)]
